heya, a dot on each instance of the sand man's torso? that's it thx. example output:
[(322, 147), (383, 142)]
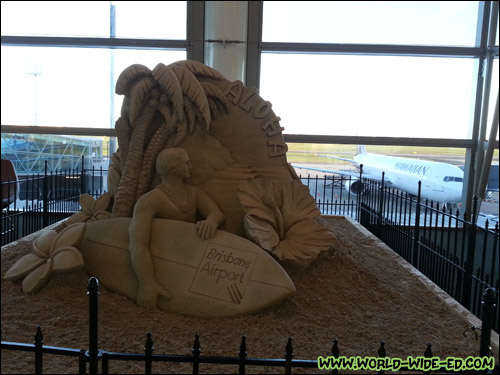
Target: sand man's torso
[(183, 200)]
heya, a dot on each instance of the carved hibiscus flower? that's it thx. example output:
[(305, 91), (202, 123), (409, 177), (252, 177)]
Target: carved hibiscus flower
[(52, 252), (92, 210), (285, 222)]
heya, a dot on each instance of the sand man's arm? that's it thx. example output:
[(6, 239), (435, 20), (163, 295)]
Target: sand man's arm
[(208, 209), (146, 208)]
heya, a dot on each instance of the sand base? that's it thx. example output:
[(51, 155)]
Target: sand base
[(360, 293)]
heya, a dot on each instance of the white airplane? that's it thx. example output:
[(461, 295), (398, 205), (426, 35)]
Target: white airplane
[(441, 182)]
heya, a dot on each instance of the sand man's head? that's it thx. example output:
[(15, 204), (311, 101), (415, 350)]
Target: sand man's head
[(174, 161)]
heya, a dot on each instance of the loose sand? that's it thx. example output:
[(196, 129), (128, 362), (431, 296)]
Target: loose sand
[(360, 293)]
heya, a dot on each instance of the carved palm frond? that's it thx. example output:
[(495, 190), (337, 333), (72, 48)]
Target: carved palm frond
[(171, 94), (217, 101), (192, 88), (171, 87), (199, 69)]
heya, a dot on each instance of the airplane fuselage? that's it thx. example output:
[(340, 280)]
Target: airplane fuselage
[(441, 182)]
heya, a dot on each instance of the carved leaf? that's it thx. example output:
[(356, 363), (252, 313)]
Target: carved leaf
[(199, 69), (102, 203), (43, 243), (190, 111), (298, 204), (182, 128), (37, 278), (261, 231), (260, 221), (78, 217), (24, 266), (102, 215), (217, 101), (214, 109), (86, 203), (69, 236), (192, 88), (303, 237), (129, 76), (170, 84), (139, 98), (304, 242), (66, 259)]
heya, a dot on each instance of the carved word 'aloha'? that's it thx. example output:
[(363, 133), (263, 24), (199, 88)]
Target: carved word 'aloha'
[(260, 109)]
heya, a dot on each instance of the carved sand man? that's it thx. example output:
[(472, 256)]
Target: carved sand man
[(172, 199)]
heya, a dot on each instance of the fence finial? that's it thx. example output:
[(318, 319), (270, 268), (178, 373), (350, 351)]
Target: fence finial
[(148, 346), (381, 350), (242, 354), (335, 348), (38, 351), (93, 286), (243, 347), (148, 351), (196, 346), (428, 351), (196, 353), (288, 356)]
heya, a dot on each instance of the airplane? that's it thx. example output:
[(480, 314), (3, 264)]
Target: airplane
[(441, 182)]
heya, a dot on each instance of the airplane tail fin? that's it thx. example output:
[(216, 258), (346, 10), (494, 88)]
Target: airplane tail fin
[(360, 150)]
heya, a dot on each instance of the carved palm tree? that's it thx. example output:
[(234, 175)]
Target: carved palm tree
[(169, 101)]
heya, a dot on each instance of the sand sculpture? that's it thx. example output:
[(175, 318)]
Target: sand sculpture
[(203, 212)]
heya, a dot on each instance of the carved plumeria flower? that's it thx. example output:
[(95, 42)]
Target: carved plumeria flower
[(52, 252), (92, 210)]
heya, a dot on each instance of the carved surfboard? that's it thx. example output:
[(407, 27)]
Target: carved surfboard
[(220, 277)]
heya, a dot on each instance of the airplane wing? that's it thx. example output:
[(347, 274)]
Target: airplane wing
[(342, 173), (338, 158), (346, 173)]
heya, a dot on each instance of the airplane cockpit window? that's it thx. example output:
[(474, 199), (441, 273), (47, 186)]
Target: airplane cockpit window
[(452, 178)]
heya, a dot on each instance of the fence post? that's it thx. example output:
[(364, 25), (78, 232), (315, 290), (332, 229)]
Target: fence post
[(358, 197), (381, 208), (417, 227), (105, 363), (93, 293), (148, 351), (489, 299), (45, 198), (469, 264), (288, 356), (196, 354), (38, 351), (82, 362), (82, 176), (242, 354)]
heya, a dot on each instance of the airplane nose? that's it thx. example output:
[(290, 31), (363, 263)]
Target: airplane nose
[(455, 195)]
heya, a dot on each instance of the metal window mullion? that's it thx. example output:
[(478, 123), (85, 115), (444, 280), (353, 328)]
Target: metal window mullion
[(43, 41), (474, 159), (254, 40), (195, 30), (371, 49)]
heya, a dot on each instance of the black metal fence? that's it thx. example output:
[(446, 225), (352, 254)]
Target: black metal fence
[(334, 195), (93, 356), (45, 199), (451, 250)]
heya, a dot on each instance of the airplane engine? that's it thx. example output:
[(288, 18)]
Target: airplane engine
[(356, 187)]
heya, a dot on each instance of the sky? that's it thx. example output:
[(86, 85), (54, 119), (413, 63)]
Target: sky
[(313, 94)]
